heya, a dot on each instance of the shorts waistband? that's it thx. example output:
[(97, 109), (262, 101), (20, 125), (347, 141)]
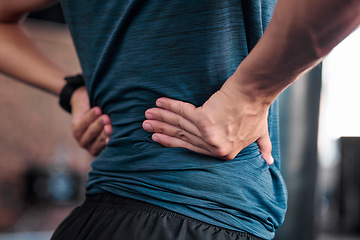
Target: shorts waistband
[(108, 200)]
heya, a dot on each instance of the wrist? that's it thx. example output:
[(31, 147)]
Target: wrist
[(73, 83), (79, 95), (243, 99), (253, 86)]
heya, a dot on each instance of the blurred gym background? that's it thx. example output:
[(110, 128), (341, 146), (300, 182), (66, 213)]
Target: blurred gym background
[(43, 171)]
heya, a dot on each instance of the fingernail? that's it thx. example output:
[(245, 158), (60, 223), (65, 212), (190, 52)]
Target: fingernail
[(155, 138), (272, 160), (148, 127), (104, 120), (107, 140), (159, 104), (108, 129), (97, 111), (149, 116)]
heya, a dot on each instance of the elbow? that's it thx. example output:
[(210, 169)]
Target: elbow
[(319, 40), (320, 49), (10, 17), (328, 30), (14, 12)]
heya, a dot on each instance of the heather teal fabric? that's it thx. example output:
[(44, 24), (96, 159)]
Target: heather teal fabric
[(135, 51)]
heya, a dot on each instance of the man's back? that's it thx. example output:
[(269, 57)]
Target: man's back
[(133, 52)]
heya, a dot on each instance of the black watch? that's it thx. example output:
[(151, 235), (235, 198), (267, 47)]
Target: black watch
[(72, 83)]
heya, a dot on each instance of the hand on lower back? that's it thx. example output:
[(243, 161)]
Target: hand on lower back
[(90, 128), (226, 123)]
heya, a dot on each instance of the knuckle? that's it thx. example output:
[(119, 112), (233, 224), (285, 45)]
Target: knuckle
[(205, 127), (221, 151), (230, 156), (178, 122), (213, 140), (102, 141), (203, 120), (202, 124), (161, 130), (93, 152), (92, 132), (183, 138), (82, 144), (181, 135), (181, 109)]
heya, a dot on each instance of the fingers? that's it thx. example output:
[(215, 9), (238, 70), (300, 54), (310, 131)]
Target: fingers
[(173, 136), (186, 110), (265, 147), (98, 145), (173, 122), (92, 130), (174, 119), (214, 129), (175, 132), (169, 141), (82, 121), (96, 135), (176, 124)]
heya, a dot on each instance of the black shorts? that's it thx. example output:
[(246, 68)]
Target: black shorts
[(106, 216)]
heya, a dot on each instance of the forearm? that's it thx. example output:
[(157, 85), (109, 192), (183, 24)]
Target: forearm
[(21, 59), (300, 34)]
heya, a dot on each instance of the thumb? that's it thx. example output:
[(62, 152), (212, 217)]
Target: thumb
[(265, 147)]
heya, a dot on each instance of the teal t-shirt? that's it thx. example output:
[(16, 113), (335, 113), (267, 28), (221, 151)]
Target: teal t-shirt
[(135, 51)]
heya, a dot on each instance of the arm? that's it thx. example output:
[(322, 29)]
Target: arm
[(34, 68), (20, 58), (300, 34)]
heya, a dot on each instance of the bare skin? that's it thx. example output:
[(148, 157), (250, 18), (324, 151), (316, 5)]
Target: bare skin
[(216, 128), (90, 127), (300, 34)]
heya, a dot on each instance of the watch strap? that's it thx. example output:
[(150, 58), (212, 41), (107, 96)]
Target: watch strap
[(72, 83)]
